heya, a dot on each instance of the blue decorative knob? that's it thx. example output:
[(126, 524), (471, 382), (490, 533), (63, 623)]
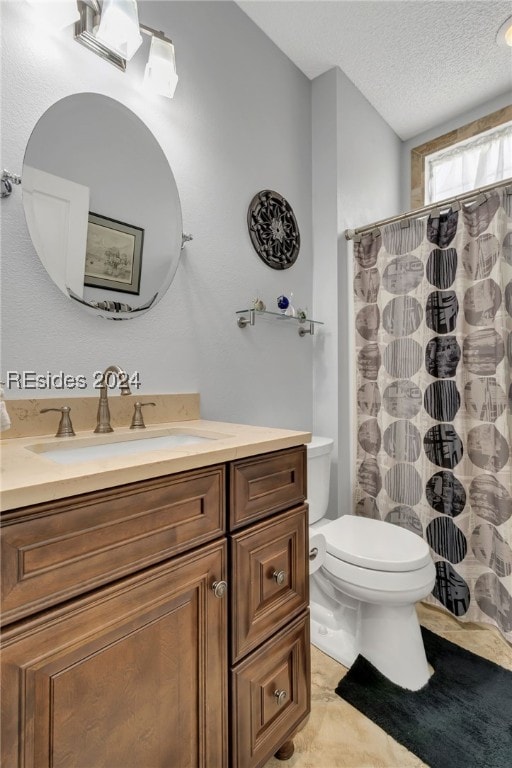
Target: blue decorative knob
[(282, 302)]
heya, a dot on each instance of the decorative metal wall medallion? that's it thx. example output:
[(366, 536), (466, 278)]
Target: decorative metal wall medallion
[(273, 229)]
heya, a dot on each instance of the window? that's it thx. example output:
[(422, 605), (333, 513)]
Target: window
[(470, 164), (462, 137)]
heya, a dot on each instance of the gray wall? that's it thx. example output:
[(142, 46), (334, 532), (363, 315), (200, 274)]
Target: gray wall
[(326, 299), (239, 122), (356, 156)]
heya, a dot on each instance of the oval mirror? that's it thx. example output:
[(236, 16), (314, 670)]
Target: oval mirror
[(102, 206)]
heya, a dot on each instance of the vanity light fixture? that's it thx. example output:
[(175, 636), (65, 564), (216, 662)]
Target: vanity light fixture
[(111, 29), (118, 29), (160, 74), (109, 44), (504, 36)]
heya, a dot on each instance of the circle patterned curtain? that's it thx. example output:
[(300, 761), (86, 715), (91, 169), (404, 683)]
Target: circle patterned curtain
[(433, 303)]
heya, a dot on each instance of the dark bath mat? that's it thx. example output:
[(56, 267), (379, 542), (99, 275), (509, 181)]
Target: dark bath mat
[(462, 718)]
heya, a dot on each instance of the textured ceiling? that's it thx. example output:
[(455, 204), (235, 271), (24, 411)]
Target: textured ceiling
[(418, 62)]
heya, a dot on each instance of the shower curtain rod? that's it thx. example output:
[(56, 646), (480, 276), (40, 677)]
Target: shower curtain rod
[(419, 212)]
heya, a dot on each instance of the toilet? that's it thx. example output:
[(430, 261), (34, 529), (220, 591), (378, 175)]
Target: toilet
[(365, 577)]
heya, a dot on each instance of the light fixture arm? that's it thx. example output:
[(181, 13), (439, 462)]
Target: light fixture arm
[(154, 33), (96, 8), (93, 4)]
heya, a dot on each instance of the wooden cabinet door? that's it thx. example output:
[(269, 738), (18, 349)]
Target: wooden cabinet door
[(270, 583), (270, 695), (133, 676)]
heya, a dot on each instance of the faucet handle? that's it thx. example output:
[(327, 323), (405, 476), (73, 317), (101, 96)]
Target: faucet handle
[(137, 420), (65, 428)]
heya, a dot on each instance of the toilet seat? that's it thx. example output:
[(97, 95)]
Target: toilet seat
[(380, 582), (375, 545)]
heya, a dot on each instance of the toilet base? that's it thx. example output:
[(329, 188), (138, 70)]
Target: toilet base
[(336, 643), (389, 637)]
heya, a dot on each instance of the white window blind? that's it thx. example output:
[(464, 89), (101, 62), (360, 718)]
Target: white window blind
[(470, 164)]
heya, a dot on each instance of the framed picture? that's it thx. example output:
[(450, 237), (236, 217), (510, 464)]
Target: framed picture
[(113, 257)]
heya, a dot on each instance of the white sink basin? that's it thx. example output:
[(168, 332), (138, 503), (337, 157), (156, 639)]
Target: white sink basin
[(89, 449)]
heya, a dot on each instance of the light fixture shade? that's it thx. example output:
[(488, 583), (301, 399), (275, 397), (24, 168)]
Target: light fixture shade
[(160, 74), (119, 27), (56, 14), (504, 36)]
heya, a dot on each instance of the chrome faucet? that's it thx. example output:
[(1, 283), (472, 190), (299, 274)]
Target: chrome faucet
[(103, 419)]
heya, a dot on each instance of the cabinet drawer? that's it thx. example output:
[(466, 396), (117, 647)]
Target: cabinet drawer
[(269, 578), (260, 722), (55, 550), (267, 484)]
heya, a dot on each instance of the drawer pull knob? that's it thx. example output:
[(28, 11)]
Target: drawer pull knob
[(220, 588), (279, 577), (281, 697)]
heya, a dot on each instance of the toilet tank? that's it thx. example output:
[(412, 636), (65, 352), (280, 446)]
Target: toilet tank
[(319, 469)]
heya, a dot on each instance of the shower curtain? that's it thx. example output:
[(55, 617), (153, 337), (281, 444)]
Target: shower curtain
[(433, 304)]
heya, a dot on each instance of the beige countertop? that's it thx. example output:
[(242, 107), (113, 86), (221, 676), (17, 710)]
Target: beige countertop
[(29, 477)]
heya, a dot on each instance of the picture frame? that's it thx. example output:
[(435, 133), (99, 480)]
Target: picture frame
[(113, 258)]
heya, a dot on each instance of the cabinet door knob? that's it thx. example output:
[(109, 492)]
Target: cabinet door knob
[(279, 577), (281, 697), (220, 588)]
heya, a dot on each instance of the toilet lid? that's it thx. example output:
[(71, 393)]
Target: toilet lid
[(375, 544)]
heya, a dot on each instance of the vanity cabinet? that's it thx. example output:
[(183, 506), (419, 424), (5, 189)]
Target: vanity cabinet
[(120, 641)]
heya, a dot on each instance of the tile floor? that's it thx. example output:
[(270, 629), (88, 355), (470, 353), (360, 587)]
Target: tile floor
[(338, 736)]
